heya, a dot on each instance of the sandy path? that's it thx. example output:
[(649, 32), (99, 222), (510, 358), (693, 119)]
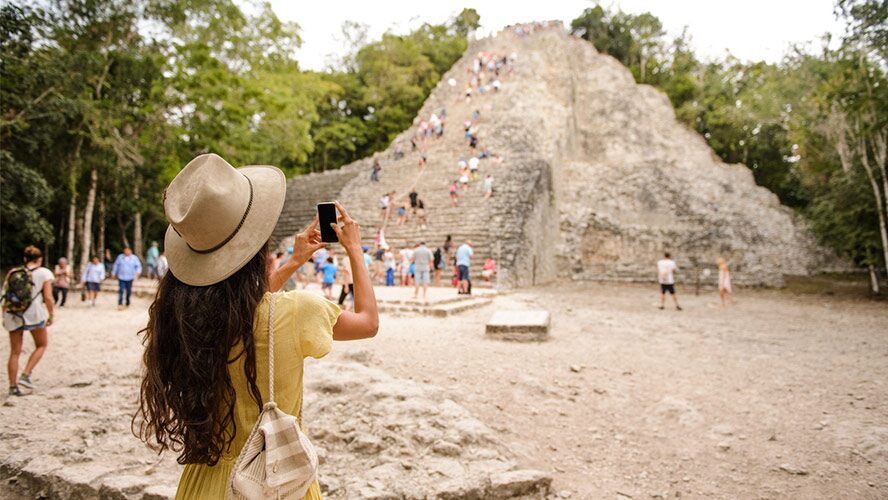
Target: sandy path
[(702, 403)]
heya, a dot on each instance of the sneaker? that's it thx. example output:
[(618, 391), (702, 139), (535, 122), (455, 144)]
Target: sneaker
[(15, 391), (678, 308), (25, 380), (660, 307)]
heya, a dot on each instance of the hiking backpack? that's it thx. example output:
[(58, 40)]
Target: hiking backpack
[(17, 296)]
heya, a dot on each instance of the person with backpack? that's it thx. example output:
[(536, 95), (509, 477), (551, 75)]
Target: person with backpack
[(27, 307), (224, 348)]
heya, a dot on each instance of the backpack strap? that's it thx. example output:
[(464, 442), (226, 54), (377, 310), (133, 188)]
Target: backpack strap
[(271, 348), (271, 363)]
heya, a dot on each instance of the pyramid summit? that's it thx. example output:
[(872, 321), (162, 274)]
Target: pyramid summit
[(594, 177)]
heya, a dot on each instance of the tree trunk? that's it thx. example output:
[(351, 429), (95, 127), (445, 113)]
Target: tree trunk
[(874, 279), (72, 208), (72, 220), (877, 194), (100, 248), (79, 233), (137, 225), (86, 241)]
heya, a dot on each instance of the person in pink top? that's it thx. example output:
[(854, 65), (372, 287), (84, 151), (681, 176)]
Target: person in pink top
[(489, 269), (724, 282)]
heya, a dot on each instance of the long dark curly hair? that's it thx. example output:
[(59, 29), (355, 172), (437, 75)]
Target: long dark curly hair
[(194, 333)]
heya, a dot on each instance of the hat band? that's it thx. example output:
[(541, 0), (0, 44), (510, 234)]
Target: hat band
[(233, 233)]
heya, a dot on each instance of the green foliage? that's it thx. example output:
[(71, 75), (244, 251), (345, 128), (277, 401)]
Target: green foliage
[(466, 21), (132, 90), (24, 194), (382, 89)]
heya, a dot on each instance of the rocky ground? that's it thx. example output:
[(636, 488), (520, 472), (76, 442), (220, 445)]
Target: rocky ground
[(782, 396)]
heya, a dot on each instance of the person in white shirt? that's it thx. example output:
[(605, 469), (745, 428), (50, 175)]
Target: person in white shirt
[(35, 319), (92, 279), (406, 258), (666, 276)]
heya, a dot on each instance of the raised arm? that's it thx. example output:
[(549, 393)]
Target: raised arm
[(307, 242), (364, 321)]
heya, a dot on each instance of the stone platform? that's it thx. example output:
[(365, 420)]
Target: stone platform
[(521, 326)]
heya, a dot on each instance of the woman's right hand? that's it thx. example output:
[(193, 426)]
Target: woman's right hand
[(348, 231), (306, 243)]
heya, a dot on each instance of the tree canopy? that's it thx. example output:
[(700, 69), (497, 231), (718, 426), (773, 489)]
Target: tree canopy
[(103, 101)]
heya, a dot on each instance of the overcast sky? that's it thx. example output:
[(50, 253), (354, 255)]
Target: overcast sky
[(750, 29)]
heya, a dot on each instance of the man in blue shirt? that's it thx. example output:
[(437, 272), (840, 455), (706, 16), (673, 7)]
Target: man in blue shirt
[(126, 268), (463, 262)]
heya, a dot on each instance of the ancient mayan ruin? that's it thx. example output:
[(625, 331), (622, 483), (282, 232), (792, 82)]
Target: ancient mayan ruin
[(598, 178)]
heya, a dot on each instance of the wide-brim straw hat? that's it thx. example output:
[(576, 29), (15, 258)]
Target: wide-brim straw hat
[(219, 217)]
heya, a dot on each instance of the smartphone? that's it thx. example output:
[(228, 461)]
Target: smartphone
[(327, 216)]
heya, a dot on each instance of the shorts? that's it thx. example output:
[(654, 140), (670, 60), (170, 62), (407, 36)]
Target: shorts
[(326, 285), (423, 277), (93, 287), (463, 273), (27, 328), (487, 273), (667, 288)]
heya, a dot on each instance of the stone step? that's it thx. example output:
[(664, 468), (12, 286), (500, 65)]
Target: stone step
[(442, 310)]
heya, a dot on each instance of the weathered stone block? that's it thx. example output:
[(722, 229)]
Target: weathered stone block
[(521, 326)]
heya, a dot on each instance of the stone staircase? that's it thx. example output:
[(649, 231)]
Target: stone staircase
[(495, 226)]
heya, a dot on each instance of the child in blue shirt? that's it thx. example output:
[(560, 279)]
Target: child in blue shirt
[(329, 270)]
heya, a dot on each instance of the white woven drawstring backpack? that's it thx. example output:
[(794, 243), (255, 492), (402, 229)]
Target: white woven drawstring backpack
[(278, 460)]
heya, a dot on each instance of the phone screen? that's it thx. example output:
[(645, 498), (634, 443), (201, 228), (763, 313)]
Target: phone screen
[(327, 216)]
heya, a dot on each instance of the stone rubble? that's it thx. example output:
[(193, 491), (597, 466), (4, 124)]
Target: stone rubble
[(379, 437)]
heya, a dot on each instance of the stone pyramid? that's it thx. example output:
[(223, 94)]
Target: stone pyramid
[(597, 179)]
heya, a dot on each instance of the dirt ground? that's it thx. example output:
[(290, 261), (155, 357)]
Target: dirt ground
[(780, 396)]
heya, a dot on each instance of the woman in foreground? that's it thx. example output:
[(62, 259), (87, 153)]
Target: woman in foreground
[(206, 342)]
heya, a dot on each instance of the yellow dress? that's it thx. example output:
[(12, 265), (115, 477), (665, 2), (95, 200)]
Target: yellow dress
[(303, 326)]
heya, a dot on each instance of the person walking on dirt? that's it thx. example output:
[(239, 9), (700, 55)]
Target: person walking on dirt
[(62, 282), (724, 282), (27, 307), (92, 279), (666, 276), (422, 267), (406, 255), (390, 265), (151, 259), (126, 269), (463, 264)]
